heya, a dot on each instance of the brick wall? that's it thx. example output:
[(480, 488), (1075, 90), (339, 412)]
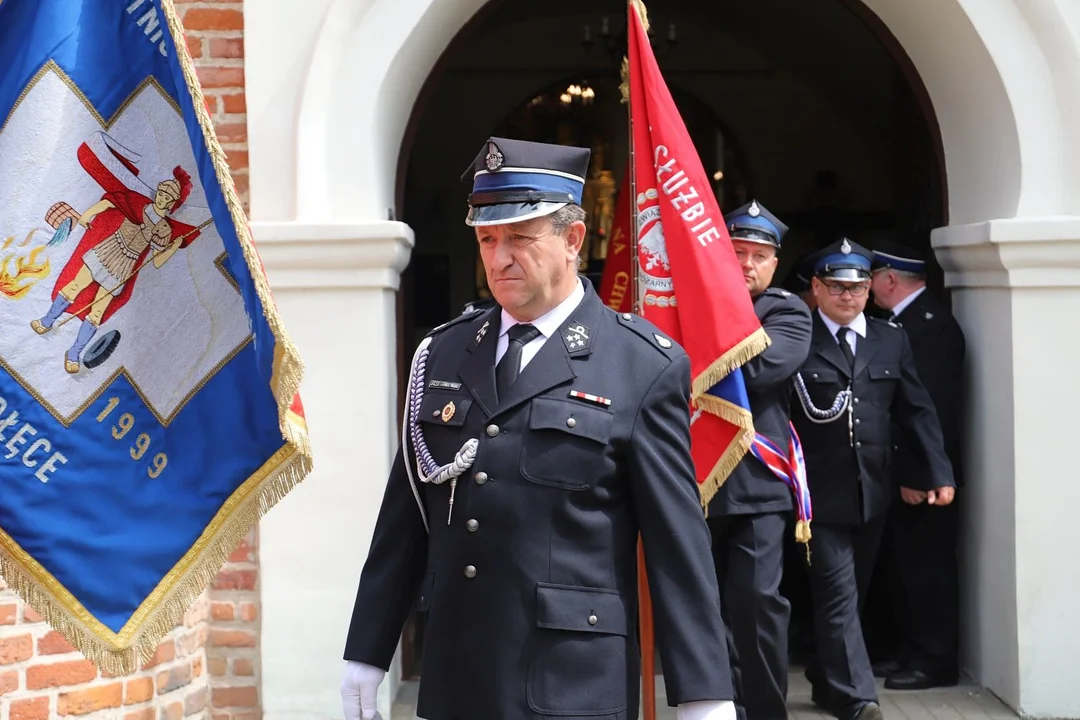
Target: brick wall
[(208, 667), (43, 677), (233, 650), (215, 30)]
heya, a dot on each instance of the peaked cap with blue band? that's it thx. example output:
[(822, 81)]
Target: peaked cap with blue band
[(515, 180), (753, 223), (895, 256), (844, 260)]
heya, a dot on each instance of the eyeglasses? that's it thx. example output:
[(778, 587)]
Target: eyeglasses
[(855, 290)]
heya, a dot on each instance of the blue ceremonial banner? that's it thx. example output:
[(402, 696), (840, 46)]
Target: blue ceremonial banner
[(148, 393)]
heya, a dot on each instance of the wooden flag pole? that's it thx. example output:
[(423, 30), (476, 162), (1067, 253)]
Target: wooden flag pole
[(647, 637)]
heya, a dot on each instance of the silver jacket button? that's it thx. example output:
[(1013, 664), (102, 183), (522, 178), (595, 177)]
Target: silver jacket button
[(472, 526), (593, 619), (470, 571), (481, 478), (571, 422), (492, 430)]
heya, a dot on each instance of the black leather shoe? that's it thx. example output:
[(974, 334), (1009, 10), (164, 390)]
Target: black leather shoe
[(886, 668), (920, 680), (868, 711)]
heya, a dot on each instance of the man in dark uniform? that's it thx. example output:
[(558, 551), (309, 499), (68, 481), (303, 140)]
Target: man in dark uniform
[(798, 281), (859, 379), (749, 514), (541, 436), (922, 538)]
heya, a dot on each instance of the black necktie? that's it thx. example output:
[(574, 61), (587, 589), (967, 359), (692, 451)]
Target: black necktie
[(506, 371), (845, 346)]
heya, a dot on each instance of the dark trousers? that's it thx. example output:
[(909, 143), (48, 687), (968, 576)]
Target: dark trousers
[(923, 542), (841, 565), (749, 555)]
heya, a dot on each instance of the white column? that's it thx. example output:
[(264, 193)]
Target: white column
[(1016, 292), (336, 287)]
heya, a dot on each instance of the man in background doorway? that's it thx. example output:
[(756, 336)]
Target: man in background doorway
[(858, 380), (921, 538)]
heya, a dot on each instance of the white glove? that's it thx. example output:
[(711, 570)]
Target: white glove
[(707, 710), (360, 691)]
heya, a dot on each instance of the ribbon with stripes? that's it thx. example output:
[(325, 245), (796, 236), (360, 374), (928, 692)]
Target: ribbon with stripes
[(790, 467)]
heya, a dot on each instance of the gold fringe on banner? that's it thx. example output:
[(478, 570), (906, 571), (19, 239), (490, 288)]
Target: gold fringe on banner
[(751, 346), (725, 464), (120, 653)]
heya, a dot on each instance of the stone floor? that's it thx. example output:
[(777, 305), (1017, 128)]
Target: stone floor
[(964, 702)]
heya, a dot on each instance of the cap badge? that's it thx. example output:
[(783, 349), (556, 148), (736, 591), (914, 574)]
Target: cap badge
[(494, 159), (754, 210), (846, 247)]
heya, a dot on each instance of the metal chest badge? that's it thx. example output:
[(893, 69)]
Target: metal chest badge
[(448, 411)]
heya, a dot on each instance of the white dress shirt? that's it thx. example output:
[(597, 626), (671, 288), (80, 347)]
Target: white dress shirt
[(548, 324), (903, 304), (858, 325)]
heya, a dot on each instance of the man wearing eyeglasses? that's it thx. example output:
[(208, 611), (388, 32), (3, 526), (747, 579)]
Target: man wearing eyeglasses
[(858, 379)]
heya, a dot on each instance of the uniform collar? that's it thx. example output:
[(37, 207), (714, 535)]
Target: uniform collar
[(858, 324), (903, 304), (548, 324)]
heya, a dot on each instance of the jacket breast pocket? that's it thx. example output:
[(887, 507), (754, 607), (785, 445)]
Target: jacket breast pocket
[(823, 384), (442, 416), (580, 660), (883, 379), (565, 444)]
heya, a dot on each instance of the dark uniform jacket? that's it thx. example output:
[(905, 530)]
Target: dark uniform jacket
[(752, 487), (938, 344), (531, 588), (852, 484)]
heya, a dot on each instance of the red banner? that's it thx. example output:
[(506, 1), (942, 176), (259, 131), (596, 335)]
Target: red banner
[(615, 284), (691, 284)]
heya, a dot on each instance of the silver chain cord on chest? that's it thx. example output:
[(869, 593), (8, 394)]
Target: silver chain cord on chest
[(816, 415), (426, 467)]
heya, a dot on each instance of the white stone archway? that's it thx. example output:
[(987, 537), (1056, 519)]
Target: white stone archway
[(325, 136)]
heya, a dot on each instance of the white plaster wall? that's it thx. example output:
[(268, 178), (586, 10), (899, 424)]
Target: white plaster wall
[(982, 303), (1047, 498), (1014, 282), (335, 286), (280, 39)]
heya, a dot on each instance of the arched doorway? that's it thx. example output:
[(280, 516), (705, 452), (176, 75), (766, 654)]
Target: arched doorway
[(830, 129)]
